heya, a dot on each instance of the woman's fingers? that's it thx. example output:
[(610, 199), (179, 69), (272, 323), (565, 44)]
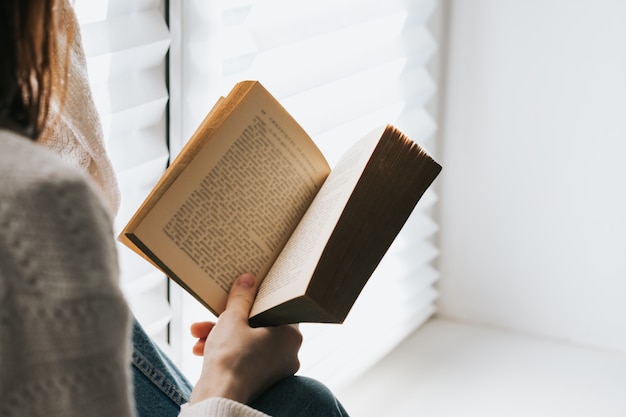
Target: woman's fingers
[(202, 329), (198, 347)]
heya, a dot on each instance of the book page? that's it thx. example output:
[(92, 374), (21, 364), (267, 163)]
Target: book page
[(234, 206), (294, 267)]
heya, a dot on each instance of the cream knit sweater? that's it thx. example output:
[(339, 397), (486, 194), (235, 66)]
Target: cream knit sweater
[(64, 323)]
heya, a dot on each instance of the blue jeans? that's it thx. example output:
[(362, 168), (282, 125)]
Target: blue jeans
[(160, 388)]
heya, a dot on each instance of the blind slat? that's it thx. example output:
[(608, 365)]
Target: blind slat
[(124, 44), (314, 18), (245, 41), (349, 98), (89, 11), (137, 148), (135, 101)]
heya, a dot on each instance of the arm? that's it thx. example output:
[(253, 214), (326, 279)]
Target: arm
[(64, 321), (240, 362)]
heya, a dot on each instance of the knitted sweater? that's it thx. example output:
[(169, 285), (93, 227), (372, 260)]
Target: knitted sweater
[(64, 324)]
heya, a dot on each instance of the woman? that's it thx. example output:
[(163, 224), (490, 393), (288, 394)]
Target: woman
[(65, 328)]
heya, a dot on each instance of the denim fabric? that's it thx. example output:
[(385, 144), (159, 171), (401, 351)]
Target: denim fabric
[(160, 388), (299, 396)]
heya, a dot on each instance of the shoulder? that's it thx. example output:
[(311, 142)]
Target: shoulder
[(24, 162), (52, 213), (62, 309), (31, 174)]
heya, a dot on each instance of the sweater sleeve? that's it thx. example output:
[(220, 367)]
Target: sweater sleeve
[(64, 323), (219, 407)]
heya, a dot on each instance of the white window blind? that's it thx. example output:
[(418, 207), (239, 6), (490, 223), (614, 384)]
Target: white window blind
[(341, 68), (126, 42)]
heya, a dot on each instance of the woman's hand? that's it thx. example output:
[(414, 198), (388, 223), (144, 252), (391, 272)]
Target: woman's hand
[(241, 362)]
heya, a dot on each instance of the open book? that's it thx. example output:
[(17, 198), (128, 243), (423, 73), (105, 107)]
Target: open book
[(251, 192)]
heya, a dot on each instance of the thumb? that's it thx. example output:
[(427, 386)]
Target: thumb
[(241, 295)]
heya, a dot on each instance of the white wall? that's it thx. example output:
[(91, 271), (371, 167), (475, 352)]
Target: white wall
[(533, 192)]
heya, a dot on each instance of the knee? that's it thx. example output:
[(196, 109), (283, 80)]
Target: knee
[(300, 396), (308, 388)]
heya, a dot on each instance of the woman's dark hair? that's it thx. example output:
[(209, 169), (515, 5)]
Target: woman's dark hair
[(28, 75)]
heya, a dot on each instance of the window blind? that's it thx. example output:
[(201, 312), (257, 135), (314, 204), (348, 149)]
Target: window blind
[(341, 68), (126, 43)]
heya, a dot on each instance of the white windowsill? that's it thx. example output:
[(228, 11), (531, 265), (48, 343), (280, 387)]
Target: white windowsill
[(449, 368)]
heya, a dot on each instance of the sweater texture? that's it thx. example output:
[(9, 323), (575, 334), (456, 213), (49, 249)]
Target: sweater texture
[(64, 323)]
